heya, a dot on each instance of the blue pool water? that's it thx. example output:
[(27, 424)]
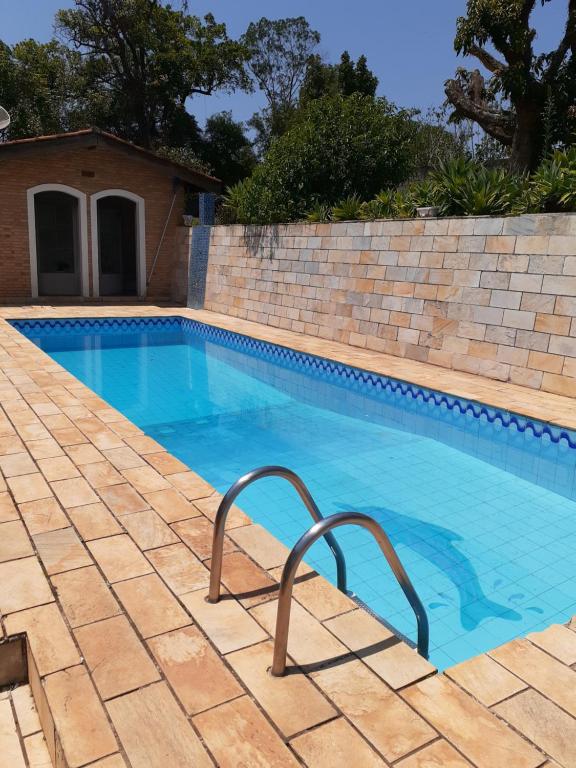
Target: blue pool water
[(480, 505)]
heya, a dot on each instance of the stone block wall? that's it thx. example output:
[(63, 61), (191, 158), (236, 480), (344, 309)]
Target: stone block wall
[(491, 296)]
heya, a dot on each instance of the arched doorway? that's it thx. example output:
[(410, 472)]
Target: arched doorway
[(57, 233), (118, 244)]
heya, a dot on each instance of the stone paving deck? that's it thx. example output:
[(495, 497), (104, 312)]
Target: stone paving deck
[(104, 546)]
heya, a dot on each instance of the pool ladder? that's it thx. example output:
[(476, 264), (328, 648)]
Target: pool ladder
[(322, 528)]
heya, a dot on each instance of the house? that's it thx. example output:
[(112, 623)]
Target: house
[(89, 215)]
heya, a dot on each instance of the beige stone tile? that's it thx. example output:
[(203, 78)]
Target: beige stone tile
[(23, 585), (179, 568), (84, 596), (190, 484), (292, 702), (199, 677), (61, 550), (261, 545), (145, 479), (247, 739), (197, 534), (74, 493), (94, 521), (165, 463), (15, 464), (558, 641), (37, 751), (543, 723), (209, 507), (151, 606), (68, 436), (14, 541), (83, 453), (123, 499), (171, 505), (148, 530), (26, 712), (49, 638), (437, 755), (308, 641), (10, 748), (245, 580), (124, 458), (154, 731), (486, 741), (228, 625), (8, 510), (540, 671), (119, 558), (29, 488), (114, 761), (337, 745), (143, 445), (101, 474), (115, 656), (380, 715), (79, 717), (44, 449), (321, 598), (58, 468), (10, 444), (43, 515), (486, 680)]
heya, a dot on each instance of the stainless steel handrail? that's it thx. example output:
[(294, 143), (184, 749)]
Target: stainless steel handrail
[(303, 544), (229, 499)]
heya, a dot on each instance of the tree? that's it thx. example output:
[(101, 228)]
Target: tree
[(149, 58), (41, 87), (226, 149), (344, 78), (525, 80), (279, 54), (355, 77), (336, 147)]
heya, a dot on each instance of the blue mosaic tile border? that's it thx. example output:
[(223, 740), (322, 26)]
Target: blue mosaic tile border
[(328, 369)]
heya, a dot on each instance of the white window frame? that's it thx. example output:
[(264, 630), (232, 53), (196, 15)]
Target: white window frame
[(140, 237), (83, 221)]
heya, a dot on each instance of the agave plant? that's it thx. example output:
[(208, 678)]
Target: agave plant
[(552, 187), (320, 212), (348, 209), (381, 207)]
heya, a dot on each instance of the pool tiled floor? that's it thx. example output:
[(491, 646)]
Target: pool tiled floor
[(104, 543)]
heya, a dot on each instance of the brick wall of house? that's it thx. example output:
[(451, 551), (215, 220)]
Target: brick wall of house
[(491, 296), (112, 168)]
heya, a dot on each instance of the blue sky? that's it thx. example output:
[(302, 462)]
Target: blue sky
[(409, 44)]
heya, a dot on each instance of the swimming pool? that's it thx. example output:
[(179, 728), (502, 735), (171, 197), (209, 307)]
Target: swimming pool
[(479, 503)]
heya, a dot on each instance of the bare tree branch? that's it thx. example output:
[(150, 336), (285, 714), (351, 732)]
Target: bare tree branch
[(498, 124), (491, 63)]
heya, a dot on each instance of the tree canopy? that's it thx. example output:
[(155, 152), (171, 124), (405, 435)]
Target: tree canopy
[(344, 79), (279, 53), (528, 98), (146, 59)]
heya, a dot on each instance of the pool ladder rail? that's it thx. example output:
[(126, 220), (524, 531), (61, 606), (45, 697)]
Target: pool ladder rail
[(322, 528)]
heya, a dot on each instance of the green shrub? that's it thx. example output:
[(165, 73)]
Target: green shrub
[(337, 147)]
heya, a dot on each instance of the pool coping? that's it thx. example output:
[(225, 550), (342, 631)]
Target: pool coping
[(401, 724)]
